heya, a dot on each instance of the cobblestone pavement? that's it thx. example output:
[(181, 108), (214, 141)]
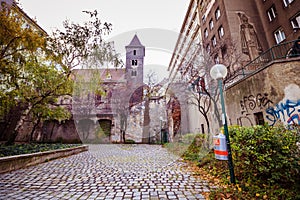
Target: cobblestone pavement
[(106, 172)]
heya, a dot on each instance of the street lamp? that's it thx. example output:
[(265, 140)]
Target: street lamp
[(218, 72)]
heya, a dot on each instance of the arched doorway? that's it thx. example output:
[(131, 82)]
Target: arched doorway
[(104, 131)]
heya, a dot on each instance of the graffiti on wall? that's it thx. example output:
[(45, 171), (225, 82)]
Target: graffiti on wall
[(288, 112), (249, 103)]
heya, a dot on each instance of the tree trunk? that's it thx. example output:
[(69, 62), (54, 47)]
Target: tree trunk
[(20, 123), (123, 136), (34, 128), (146, 128)]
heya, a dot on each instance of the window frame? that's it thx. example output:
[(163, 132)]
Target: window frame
[(286, 3), (134, 73), (272, 13), (205, 33), (214, 40), (297, 21), (221, 30), (218, 13), (134, 62), (279, 35), (211, 24)]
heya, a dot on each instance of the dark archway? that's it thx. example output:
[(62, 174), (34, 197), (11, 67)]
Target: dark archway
[(104, 131)]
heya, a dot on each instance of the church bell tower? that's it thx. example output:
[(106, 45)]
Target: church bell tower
[(135, 53)]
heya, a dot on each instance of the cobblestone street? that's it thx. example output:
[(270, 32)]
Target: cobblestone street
[(106, 172)]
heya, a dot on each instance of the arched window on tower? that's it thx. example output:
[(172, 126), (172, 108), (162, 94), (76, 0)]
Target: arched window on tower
[(134, 52), (133, 73), (134, 62)]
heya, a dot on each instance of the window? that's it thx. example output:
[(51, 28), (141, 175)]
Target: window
[(217, 13), (224, 51), (206, 33), (134, 62), (208, 48), (221, 32), (287, 2), (203, 19), (272, 13), (216, 59), (279, 35), (133, 73), (259, 118), (214, 41), (134, 52), (211, 24), (295, 21)]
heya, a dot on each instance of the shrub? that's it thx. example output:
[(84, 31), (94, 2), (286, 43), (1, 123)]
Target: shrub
[(129, 141), (266, 153)]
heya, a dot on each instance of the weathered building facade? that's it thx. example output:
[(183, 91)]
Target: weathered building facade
[(271, 95), (242, 36)]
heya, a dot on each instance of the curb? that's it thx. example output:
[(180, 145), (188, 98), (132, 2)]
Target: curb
[(11, 163)]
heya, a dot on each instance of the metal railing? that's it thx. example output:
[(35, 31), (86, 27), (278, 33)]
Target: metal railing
[(277, 52)]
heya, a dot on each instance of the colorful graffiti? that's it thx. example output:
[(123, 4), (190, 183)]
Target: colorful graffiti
[(251, 102), (288, 112)]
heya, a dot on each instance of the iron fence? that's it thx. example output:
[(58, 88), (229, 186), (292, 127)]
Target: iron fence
[(277, 52)]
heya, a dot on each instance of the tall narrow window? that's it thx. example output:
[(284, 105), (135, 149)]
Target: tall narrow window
[(217, 13), (224, 51), (211, 24), (295, 21), (216, 59), (272, 13), (133, 73), (134, 52), (208, 48), (203, 19), (214, 41), (134, 62), (221, 31), (206, 33), (279, 35)]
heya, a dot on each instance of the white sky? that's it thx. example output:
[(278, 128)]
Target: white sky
[(156, 22)]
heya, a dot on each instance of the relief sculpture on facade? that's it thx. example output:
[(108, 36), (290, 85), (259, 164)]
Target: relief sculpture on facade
[(249, 40)]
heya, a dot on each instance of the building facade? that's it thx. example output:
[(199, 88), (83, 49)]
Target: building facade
[(239, 34)]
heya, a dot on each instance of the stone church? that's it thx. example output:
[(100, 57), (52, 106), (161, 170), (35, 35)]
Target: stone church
[(99, 116)]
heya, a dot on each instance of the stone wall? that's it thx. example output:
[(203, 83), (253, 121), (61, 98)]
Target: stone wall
[(271, 96)]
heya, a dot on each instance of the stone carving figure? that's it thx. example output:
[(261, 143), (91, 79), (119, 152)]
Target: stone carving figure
[(249, 39)]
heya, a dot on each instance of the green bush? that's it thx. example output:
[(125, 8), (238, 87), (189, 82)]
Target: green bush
[(266, 164), (266, 153), (129, 141), (195, 146)]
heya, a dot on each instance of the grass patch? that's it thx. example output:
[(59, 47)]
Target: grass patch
[(18, 149)]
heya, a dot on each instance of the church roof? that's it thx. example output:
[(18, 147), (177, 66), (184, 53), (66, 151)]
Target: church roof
[(106, 75), (135, 41)]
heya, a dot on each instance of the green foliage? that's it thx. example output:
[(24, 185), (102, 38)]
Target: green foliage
[(195, 147), (266, 161), (129, 141), (268, 153), (18, 149), (31, 75)]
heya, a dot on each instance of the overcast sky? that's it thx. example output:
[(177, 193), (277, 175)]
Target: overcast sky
[(154, 21)]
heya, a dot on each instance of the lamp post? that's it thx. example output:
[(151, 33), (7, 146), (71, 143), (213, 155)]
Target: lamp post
[(218, 72)]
